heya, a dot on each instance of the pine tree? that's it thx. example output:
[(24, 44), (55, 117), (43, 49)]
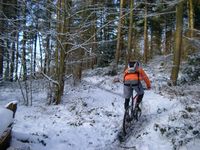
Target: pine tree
[(178, 42)]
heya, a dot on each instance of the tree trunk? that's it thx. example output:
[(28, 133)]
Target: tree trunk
[(119, 33), (145, 35), (24, 73), (62, 46), (191, 17), (130, 31), (188, 48), (178, 42), (168, 39), (24, 56), (1, 41), (47, 50), (7, 55), (40, 47), (151, 44), (35, 50), (17, 57), (12, 60)]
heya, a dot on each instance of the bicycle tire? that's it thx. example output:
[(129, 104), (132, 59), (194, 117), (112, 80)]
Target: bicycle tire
[(137, 113), (128, 117)]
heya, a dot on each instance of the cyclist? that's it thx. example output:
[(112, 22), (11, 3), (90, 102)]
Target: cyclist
[(132, 77)]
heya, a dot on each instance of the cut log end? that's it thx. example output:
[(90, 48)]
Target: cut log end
[(12, 106)]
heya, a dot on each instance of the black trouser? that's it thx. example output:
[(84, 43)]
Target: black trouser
[(139, 100)]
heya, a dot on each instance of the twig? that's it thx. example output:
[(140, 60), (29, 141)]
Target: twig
[(129, 147), (49, 78), (21, 90)]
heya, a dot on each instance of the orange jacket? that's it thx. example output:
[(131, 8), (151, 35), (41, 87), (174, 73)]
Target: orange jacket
[(134, 76)]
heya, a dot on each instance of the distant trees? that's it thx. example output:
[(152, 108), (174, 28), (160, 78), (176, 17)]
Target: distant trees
[(64, 37), (24, 42), (1, 40), (191, 17)]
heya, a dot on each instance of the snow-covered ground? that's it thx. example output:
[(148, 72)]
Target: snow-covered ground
[(6, 118), (90, 116)]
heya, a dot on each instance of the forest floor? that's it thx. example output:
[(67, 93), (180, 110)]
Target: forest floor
[(90, 115)]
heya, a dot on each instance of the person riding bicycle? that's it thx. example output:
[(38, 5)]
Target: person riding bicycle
[(132, 81)]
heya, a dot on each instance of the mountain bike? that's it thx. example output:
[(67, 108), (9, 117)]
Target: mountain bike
[(132, 113)]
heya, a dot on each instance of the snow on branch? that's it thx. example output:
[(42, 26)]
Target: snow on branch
[(49, 78)]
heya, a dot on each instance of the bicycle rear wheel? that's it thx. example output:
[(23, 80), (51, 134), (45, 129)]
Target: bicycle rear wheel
[(137, 113), (128, 117)]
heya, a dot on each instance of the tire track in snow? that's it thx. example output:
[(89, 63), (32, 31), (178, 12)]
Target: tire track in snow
[(157, 108)]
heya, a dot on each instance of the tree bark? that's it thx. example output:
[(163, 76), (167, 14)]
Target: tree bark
[(47, 50), (145, 35), (130, 32), (17, 57), (24, 73), (191, 17), (12, 60), (1, 41), (62, 46), (119, 33), (7, 55), (178, 42)]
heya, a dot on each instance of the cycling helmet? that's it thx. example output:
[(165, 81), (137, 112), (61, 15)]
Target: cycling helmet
[(133, 64)]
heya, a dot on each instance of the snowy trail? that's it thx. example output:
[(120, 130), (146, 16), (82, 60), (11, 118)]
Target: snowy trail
[(90, 118), (143, 134), (156, 109)]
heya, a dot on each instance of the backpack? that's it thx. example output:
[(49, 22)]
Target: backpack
[(133, 67)]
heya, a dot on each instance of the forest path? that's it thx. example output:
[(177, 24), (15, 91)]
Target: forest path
[(90, 117), (144, 134)]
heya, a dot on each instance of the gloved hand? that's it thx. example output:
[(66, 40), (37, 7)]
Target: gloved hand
[(148, 88)]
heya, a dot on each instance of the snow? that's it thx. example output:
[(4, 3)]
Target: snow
[(12, 102), (90, 116), (6, 118)]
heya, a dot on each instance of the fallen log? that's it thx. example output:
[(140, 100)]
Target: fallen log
[(7, 115)]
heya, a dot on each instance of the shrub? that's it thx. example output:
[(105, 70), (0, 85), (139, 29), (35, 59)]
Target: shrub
[(191, 72)]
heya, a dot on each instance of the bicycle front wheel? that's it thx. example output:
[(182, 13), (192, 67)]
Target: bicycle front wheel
[(128, 117)]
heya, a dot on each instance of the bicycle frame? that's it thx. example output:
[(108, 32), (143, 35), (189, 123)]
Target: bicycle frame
[(134, 101)]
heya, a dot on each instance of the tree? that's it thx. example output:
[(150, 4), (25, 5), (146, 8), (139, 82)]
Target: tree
[(14, 37), (178, 42), (169, 38), (1, 40), (48, 38), (119, 33), (191, 17), (130, 31), (63, 28), (24, 40), (145, 34)]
